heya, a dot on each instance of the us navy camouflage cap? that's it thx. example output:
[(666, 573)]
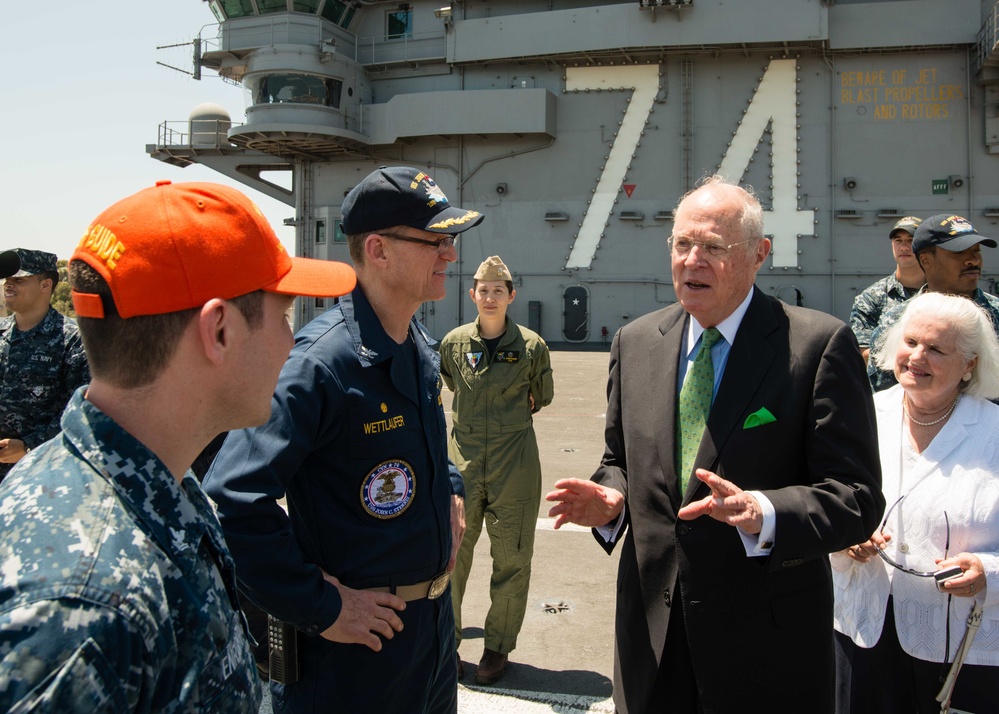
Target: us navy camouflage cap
[(909, 224), (21, 262), (492, 268), (403, 196)]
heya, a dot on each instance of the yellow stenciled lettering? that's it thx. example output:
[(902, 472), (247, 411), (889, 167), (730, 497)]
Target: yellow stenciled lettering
[(885, 111), (927, 76)]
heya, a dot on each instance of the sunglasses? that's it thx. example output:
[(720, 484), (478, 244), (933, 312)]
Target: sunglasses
[(911, 571)]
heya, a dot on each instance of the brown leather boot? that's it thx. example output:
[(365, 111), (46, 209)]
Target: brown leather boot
[(461, 666), (491, 667)]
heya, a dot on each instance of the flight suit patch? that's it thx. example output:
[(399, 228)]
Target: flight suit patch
[(473, 359), (509, 356), (388, 489)]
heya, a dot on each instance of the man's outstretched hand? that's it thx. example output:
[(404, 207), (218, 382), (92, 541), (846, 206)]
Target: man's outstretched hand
[(584, 503)]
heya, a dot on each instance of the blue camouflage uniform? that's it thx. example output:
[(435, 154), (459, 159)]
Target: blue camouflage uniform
[(39, 371), (873, 302), (881, 379), (117, 593), (358, 443)]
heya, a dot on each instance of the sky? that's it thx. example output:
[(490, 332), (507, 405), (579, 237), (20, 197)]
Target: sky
[(82, 96)]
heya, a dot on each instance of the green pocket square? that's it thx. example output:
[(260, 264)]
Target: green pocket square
[(759, 418)]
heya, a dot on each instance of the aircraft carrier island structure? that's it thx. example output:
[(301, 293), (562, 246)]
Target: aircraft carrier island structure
[(575, 126)]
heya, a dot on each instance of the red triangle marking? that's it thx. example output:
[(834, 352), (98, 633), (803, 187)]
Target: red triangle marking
[(629, 188)]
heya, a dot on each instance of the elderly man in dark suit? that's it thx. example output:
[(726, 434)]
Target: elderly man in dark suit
[(734, 473)]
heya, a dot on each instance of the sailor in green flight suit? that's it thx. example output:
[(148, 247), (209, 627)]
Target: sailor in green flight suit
[(500, 374)]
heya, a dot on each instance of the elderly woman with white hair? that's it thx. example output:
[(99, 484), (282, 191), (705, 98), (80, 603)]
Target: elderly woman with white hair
[(904, 597)]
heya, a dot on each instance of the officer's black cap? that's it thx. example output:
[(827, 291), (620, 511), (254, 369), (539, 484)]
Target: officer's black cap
[(403, 196)]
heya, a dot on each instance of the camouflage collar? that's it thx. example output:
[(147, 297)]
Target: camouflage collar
[(176, 516), (51, 323), (895, 288)]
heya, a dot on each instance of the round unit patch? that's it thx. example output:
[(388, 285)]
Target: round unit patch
[(388, 489)]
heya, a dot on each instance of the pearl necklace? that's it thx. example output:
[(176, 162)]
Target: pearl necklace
[(929, 423)]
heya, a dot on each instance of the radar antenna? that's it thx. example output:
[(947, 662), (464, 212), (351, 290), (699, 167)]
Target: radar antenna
[(196, 57)]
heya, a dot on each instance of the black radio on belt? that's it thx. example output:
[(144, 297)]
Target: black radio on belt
[(282, 651)]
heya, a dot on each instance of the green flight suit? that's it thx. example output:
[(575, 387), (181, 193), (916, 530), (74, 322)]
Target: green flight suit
[(494, 446)]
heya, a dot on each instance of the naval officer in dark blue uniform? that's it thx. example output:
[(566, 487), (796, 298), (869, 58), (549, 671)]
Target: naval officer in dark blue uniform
[(358, 444)]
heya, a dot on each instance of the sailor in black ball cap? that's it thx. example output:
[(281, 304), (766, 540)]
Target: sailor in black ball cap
[(949, 251)]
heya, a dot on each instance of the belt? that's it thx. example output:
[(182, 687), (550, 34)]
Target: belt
[(428, 589)]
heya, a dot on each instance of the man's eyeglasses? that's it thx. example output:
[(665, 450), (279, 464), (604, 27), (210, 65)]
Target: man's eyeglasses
[(713, 251), (439, 245), (911, 571)]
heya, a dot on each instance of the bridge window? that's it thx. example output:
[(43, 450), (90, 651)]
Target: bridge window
[(296, 89), (232, 8), (338, 12), (269, 6)]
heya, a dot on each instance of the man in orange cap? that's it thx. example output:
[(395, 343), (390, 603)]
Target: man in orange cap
[(118, 592)]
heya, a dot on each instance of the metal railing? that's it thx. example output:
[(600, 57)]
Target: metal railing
[(206, 133), (297, 29), (416, 47), (987, 39)]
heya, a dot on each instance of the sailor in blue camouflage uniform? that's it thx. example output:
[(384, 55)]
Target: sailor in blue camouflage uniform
[(117, 591), (357, 441), (109, 580), (877, 299), (41, 355), (949, 251)]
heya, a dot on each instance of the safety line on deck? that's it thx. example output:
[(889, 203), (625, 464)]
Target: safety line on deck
[(548, 524), (472, 700)]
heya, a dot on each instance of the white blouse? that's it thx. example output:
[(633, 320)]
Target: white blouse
[(958, 473)]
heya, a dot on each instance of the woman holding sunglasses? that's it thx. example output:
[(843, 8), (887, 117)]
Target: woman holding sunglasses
[(904, 597)]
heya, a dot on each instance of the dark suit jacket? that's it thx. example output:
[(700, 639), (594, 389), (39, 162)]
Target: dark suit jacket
[(759, 629)]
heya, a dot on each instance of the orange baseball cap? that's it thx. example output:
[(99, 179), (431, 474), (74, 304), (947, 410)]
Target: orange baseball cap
[(174, 247)]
